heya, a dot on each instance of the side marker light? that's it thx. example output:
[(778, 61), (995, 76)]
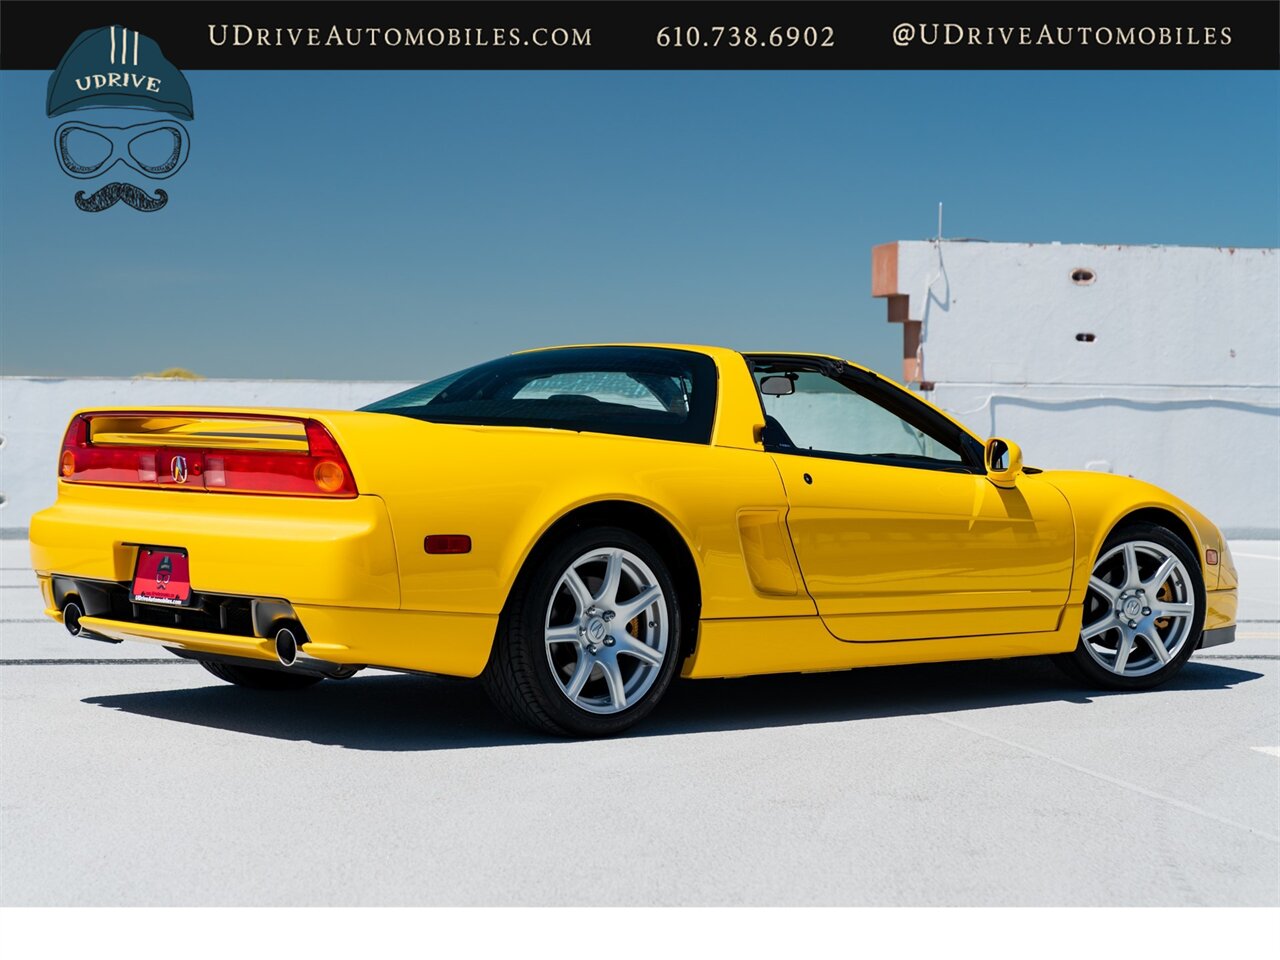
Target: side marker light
[(447, 543)]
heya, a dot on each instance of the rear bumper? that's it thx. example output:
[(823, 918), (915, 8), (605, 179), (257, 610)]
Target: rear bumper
[(456, 646), (253, 648), (452, 644), (329, 564), (334, 552)]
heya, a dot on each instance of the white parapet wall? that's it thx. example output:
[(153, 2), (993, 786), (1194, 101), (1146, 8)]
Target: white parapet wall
[(1158, 362), (34, 412)]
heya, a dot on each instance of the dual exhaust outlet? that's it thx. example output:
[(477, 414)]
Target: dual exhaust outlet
[(288, 643)]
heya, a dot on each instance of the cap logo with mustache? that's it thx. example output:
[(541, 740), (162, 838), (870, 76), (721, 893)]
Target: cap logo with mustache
[(115, 67)]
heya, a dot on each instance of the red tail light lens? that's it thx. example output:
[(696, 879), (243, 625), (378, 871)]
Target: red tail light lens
[(320, 472)]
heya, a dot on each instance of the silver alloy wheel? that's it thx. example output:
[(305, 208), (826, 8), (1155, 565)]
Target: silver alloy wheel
[(1138, 610), (606, 630)]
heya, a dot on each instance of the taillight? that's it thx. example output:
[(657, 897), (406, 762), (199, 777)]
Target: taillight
[(329, 476), (321, 471)]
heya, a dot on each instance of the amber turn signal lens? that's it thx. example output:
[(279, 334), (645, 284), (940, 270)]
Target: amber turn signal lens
[(67, 466), (328, 476)]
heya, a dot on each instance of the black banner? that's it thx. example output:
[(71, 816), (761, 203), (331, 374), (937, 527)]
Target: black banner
[(630, 34)]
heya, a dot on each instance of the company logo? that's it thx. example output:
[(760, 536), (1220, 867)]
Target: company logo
[(179, 469), (164, 573), (116, 73)]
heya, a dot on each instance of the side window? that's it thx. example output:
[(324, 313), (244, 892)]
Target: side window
[(656, 392), (815, 413)]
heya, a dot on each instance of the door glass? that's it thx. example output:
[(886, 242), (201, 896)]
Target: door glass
[(825, 416)]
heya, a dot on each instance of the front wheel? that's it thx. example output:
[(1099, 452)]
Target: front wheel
[(590, 639), (1143, 612)]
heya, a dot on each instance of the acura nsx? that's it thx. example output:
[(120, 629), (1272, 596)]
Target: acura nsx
[(577, 526)]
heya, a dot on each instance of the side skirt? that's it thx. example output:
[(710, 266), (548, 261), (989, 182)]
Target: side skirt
[(737, 648)]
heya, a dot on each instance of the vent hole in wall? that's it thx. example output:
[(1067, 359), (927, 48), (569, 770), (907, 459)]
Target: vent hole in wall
[(1083, 276), (1086, 337)]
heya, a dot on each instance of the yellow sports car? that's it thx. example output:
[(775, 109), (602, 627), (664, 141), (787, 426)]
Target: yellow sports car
[(577, 525)]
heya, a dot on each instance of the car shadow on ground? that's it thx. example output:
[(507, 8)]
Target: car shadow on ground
[(399, 712)]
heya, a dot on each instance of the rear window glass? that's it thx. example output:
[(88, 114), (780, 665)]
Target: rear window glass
[(634, 391)]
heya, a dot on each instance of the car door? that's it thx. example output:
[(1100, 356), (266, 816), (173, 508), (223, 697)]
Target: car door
[(898, 532)]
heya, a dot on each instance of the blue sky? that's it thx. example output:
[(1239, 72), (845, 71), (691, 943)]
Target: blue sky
[(399, 225)]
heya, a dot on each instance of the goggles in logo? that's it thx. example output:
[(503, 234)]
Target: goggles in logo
[(156, 150)]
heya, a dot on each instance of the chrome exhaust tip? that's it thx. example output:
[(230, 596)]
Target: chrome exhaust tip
[(289, 641), (286, 647), (71, 614)]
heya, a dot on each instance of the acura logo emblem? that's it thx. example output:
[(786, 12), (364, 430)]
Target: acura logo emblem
[(179, 468)]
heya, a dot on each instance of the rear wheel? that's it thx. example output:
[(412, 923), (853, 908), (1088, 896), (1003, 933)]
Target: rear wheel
[(590, 638), (1143, 612), (259, 678)]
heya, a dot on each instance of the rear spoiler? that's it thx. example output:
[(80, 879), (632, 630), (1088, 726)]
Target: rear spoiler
[(212, 451)]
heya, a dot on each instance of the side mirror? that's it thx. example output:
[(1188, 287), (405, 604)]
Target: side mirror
[(1003, 461), (779, 386)]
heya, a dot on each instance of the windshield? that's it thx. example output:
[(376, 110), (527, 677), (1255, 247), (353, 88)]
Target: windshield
[(651, 392)]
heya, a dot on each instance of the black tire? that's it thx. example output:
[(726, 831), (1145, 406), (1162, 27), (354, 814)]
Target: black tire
[(519, 677), (259, 678), (1082, 666)]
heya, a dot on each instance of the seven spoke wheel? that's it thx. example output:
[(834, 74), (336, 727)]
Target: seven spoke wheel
[(1143, 605), (590, 638), (1143, 609), (606, 630)]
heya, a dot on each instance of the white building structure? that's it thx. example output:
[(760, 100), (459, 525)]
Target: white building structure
[(1160, 362)]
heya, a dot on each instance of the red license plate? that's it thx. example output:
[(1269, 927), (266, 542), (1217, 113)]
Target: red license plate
[(162, 575)]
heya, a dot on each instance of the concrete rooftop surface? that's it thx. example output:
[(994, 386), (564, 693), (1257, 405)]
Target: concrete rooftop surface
[(131, 777)]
